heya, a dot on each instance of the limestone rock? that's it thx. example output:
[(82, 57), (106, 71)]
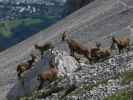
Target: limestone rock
[(65, 63)]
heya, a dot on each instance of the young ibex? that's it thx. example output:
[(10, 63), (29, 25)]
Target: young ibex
[(26, 66), (103, 53)]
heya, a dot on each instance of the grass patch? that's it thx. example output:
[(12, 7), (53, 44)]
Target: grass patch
[(127, 77), (7, 26), (30, 21), (125, 95)]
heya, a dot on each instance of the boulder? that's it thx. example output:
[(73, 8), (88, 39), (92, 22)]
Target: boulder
[(65, 63)]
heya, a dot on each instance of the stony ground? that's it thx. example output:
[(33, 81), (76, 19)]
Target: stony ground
[(95, 22), (91, 82)]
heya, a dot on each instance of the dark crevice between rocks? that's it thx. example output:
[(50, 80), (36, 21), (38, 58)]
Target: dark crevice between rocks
[(68, 91)]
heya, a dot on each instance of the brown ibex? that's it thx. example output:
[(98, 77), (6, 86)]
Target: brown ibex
[(48, 75), (26, 66), (121, 42), (75, 46), (43, 48)]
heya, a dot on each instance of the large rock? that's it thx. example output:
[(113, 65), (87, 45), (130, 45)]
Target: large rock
[(65, 63)]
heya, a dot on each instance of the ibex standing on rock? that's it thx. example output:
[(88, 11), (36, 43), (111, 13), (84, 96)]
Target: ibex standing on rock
[(26, 66), (43, 48), (75, 46), (103, 53), (48, 75), (94, 53), (121, 42)]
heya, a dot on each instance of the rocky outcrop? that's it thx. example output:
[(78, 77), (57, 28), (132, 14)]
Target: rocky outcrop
[(65, 63), (94, 82), (100, 18)]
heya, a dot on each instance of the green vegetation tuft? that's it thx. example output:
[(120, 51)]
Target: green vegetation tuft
[(127, 77), (125, 95), (6, 27)]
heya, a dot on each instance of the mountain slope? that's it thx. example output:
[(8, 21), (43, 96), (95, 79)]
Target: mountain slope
[(96, 21)]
